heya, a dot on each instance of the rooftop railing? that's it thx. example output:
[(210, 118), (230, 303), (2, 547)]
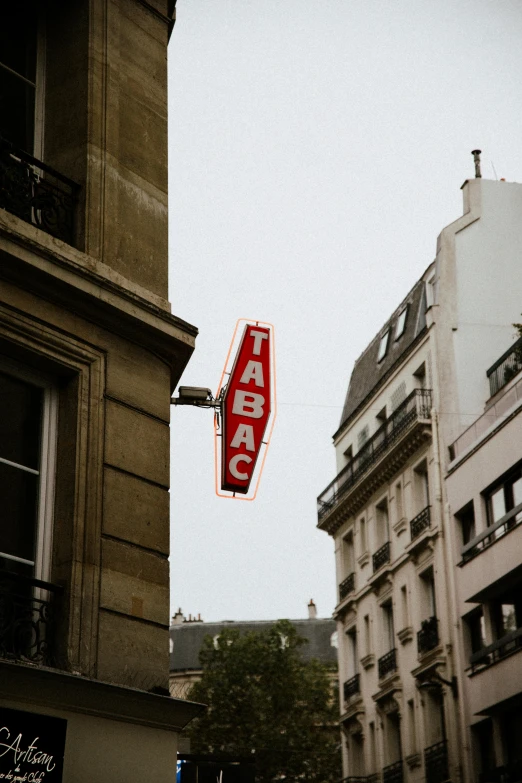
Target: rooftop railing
[(36, 193), (416, 406), (27, 619)]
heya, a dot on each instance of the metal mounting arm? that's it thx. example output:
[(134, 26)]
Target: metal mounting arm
[(198, 396)]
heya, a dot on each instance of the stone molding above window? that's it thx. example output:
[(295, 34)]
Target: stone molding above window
[(368, 661), (400, 526), (405, 634)]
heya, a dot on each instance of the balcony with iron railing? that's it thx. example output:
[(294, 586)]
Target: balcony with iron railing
[(436, 762), (27, 619), (381, 557), (505, 368), (347, 586), (351, 687), (428, 636), (415, 409), (393, 773), (420, 523), (36, 193), (387, 664)]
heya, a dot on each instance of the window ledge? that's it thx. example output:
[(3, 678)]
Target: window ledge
[(364, 559)]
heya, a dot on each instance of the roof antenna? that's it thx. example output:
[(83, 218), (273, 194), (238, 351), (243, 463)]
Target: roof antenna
[(494, 170), (476, 161)]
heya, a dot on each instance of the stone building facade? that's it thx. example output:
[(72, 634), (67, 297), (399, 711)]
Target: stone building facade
[(89, 355), (408, 686)]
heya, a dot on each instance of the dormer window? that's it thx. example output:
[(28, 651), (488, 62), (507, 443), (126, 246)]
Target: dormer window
[(383, 346), (401, 323)]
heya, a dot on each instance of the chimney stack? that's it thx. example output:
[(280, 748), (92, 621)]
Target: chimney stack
[(178, 618), (312, 610), (476, 161)]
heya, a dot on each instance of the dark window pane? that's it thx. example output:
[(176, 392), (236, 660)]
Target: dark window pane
[(18, 498), (17, 111), (18, 37), (20, 420)]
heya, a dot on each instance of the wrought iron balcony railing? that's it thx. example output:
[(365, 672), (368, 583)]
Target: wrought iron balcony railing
[(351, 687), (416, 406), (505, 368), (420, 523), (381, 557), (436, 762), (388, 663), (37, 193), (428, 636), (493, 653), (347, 586), (393, 773), (27, 615)]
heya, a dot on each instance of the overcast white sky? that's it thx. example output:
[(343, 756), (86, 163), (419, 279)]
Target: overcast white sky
[(316, 149)]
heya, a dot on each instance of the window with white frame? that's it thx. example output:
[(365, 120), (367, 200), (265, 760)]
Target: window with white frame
[(383, 346), (21, 75), (400, 326), (28, 403)]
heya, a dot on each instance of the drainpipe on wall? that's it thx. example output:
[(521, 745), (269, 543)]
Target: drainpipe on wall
[(451, 604)]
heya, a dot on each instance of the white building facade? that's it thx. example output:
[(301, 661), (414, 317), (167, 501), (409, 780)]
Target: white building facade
[(406, 685)]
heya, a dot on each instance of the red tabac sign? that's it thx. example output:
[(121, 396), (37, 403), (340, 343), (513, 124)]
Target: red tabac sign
[(246, 408)]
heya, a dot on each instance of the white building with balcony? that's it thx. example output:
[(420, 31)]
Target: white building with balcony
[(407, 689)]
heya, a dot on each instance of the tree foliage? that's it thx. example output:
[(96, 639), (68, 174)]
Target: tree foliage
[(263, 698)]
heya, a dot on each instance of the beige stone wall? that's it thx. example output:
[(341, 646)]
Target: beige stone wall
[(96, 320), (106, 128)]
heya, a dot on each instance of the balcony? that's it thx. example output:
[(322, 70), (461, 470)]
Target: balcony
[(428, 636), (505, 368), (27, 619), (491, 534), (392, 773), (380, 457), (487, 656), (436, 762), (420, 523), (36, 193), (381, 557), (351, 687), (387, 664), (347, 586)]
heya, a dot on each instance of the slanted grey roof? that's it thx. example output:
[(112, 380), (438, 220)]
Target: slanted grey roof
[(187, 639), (367, 373)]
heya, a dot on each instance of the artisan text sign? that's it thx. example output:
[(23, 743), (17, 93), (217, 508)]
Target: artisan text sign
[(246, 409), (31, 747)]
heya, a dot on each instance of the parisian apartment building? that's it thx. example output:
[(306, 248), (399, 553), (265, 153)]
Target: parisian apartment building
[(425, 515), (90, 353)]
